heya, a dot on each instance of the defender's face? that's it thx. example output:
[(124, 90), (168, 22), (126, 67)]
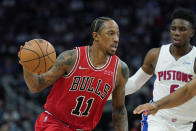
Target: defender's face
[(181, 32), (108, 37)]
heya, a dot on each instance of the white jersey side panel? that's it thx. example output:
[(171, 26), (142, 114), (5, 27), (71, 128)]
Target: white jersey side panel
[(171, 74)]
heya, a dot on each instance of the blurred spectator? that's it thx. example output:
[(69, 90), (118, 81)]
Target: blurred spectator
[(5, 126)]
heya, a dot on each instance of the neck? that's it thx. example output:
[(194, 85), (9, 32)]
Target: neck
[(178, 51), (97, 56)]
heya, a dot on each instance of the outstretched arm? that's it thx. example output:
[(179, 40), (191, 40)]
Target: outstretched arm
[(175, 99), (63, 65), (119, 112), (135, 82)]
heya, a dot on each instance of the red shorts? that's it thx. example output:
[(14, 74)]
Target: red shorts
[(47, 122)]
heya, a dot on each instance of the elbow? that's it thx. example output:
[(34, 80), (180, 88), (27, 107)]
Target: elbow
[(34, 87), (119, 118), (35, 90), (130, 87), (119, 110)]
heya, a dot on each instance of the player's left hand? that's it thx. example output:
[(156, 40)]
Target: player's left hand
[(147, 109), (19, 54)]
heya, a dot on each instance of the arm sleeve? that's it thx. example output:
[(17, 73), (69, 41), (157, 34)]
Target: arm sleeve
[(135, 82)]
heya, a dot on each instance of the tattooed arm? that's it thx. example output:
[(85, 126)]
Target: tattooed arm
[(119, 112), (63, 65)]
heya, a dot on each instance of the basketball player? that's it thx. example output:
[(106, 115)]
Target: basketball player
[(174, 66), (83, 79)]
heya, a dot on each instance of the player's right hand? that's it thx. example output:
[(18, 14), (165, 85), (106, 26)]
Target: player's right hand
[(19, 52), (147, 109)]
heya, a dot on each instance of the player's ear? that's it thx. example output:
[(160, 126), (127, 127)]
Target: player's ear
[(192, 32), (94, 34)]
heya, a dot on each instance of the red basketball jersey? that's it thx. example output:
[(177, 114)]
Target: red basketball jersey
[(79, 97)]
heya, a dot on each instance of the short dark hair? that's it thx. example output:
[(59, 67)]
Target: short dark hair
[(96, 25), (185, 14), (98, 22)]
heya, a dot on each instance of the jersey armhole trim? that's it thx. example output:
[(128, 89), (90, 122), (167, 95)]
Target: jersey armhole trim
[(159, 55), (75, 65), (115, 72)]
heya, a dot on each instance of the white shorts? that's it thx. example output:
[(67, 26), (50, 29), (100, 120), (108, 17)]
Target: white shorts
[(157, 123)]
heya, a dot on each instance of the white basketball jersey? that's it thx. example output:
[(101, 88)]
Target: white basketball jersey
[(171, 74)]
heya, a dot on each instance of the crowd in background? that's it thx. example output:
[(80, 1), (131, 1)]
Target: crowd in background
[(144, 24)]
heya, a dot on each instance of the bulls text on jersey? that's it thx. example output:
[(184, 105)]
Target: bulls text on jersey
[(84, 83)]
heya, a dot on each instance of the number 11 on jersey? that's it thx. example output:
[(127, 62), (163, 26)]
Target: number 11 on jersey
[(77, 110)]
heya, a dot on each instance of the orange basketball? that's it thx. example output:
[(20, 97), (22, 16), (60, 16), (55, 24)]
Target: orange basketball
[(37, 56)]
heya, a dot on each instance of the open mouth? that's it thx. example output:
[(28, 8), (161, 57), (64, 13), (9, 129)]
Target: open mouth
[(176, 41), (114, 47)]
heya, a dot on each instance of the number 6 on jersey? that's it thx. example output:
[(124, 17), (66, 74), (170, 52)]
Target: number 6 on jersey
[(173, 88)]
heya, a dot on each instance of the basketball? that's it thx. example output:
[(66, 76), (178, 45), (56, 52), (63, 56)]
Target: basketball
[(37, 56)]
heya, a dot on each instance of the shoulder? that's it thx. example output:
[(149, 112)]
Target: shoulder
[(154, 51), (150, 60), (123, 71), (68, 54), (67, 59), (195, 60), (152, 55), (194, 55)]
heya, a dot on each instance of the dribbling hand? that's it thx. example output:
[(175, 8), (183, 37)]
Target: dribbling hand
[(19, 54), (147, 109)]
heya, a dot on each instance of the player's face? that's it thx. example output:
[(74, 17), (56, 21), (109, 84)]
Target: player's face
[(108, 37), (181, 32)]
